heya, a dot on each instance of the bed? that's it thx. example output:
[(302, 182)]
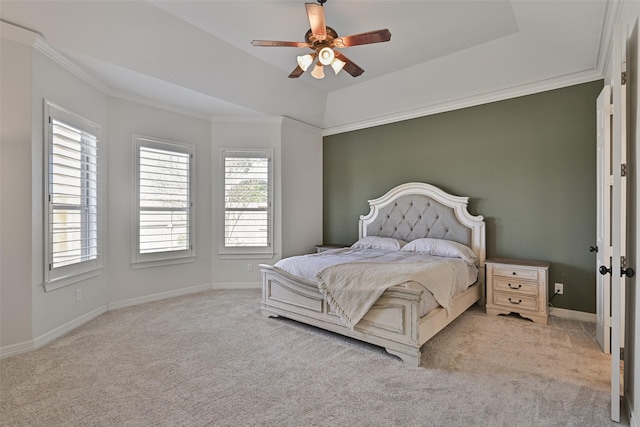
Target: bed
[(399, 320)]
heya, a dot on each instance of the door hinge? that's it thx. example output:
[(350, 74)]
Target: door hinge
[(623, 78), (623, 169)]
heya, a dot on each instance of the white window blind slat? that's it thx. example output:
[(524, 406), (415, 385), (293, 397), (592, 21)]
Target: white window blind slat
[(164, 199), (247, 210), (73, 195)]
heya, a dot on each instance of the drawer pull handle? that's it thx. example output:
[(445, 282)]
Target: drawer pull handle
[(514, 287), (513, 302), (514, 273)]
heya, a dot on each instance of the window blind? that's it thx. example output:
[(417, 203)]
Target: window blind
[(73, 195), (164, 197), (246, 187)]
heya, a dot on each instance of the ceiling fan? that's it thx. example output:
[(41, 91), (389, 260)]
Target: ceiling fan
[(324, 41)]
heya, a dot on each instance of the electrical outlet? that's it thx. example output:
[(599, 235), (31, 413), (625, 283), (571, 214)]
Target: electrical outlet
[(78, 294), (559, 288), (249, 267)]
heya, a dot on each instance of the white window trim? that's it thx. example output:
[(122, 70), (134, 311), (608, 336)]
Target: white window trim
[(74, 273), (139, 260), (245, 252)]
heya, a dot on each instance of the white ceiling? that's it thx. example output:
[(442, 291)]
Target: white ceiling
[(442, 54)]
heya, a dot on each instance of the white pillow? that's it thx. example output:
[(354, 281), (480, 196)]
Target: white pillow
[(441, 247), (375, 242)]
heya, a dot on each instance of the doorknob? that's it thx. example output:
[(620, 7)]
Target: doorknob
[(629, 272), (593, 249), (604, 270)]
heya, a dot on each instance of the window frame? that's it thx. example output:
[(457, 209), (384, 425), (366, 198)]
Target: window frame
[(57, 277), (153, 259), (246, 252)]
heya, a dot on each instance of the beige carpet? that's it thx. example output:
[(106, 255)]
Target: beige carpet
[(212, 359)]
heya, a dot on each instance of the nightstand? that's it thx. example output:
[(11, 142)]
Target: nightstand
[(517, 286), (322, 248)]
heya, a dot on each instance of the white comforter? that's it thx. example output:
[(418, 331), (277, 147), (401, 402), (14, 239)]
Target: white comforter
[(308, 266)]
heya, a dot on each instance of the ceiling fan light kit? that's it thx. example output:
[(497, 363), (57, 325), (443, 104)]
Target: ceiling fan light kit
[(318, 71), (323, 40), (326, 56), (305, 60)]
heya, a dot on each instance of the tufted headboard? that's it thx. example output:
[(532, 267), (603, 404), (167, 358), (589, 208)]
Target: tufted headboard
[(415, 210)]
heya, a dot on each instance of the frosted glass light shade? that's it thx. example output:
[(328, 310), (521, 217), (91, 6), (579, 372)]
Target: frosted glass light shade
[(326, 55), (318, 71), (304, 61), (337, 65)]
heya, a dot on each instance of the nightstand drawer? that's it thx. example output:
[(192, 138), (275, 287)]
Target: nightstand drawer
[(515, 287), (518, 302), (520, 273)]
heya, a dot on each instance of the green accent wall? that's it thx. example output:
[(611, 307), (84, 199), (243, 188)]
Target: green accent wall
[(527, 164)]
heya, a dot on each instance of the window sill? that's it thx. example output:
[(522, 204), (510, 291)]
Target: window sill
[(70, 280)]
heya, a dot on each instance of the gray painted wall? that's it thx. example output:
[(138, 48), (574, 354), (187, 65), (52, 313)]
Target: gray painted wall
[(527, 164)]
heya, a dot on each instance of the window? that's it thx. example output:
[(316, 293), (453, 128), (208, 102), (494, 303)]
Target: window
[(247, 188), (164, 216), (72, 197)]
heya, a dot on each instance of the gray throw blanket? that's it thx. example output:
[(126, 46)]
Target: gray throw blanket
[(352, 288)]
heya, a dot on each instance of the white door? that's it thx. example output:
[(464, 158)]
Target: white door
[(618, 211), (604, 182)]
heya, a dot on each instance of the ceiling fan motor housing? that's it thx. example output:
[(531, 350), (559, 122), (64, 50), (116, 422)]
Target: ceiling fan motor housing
[(311, 39)]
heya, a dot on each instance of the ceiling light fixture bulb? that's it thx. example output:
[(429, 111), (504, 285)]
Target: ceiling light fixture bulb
[(318, 71), (304, 61), (326, 56), (337, 65)]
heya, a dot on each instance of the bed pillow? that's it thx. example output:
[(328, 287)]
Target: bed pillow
[(441, 247), (375, 242)]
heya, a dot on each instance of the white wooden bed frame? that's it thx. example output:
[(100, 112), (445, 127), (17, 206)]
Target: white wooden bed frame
[(407, 212)]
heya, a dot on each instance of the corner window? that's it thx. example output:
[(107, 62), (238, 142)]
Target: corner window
[(72, 197), (247, 191), (164, 214)]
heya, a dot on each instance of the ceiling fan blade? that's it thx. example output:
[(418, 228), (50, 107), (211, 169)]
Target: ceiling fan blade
[(275, 43), (297, 72), (376, 36), (350, 66), (315, 12)]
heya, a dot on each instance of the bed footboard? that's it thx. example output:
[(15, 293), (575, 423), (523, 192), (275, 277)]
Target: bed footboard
[(392, 322)]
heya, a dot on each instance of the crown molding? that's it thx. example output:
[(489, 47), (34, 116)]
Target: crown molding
[(137, 99), (485, 98), (41, 46), (289, 122), (611, 17), (258, 119), (18, 33), (34, 39)]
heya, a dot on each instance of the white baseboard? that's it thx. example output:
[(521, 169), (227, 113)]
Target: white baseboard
[(236, 285), (15, 349), (68, 327), (630, 414), (25, 347), (159, 296), (573, 315)]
